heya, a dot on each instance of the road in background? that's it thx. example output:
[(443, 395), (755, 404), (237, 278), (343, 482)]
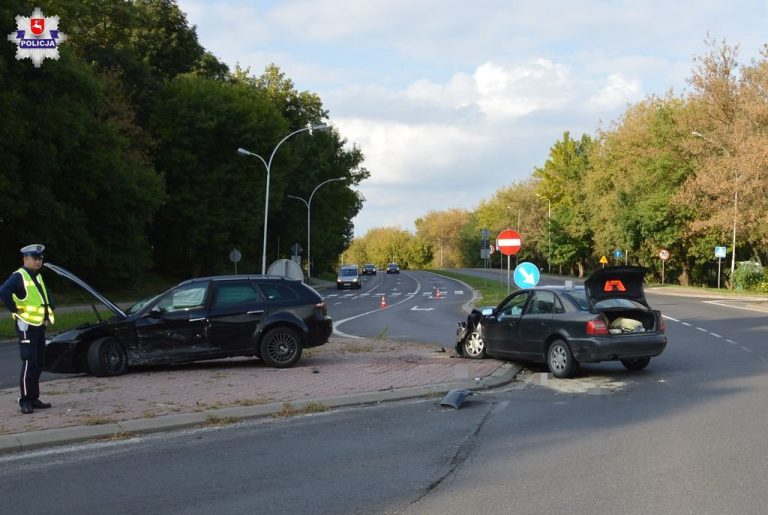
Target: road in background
[(413, 306)]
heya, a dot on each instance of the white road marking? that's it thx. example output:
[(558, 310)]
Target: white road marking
[(745, 308)]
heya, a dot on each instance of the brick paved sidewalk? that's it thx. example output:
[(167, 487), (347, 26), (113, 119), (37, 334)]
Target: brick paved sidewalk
[(341, 367)]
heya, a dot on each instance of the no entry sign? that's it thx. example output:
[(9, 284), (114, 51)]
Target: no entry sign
[(509, 242)]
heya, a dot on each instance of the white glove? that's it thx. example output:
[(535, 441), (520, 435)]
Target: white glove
[(23, 326)]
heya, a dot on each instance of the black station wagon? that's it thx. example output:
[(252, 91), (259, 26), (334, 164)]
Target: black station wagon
[(271, 318)]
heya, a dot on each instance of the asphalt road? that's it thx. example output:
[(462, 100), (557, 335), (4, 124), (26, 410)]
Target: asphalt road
[(685, 435), (420, 307)]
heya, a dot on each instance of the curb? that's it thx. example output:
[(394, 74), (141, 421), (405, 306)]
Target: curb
[(67, 435)]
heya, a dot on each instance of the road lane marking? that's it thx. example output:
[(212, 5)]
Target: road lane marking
[(745, 308), (377, 310)]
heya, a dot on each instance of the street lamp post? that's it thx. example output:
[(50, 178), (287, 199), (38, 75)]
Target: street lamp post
[(735, 199), (549, 232), (309, 231), (268, 166)]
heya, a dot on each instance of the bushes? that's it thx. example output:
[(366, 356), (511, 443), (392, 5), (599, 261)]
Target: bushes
[(750, 276)]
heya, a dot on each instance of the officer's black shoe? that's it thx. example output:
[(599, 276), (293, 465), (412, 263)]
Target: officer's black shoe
[(38, 404), (26, 408)]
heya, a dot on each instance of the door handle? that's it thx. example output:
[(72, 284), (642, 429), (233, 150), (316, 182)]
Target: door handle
[(196, 319), (256, 312)]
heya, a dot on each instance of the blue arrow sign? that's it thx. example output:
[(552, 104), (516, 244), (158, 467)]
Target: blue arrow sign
[(618, 253), (527, 275)]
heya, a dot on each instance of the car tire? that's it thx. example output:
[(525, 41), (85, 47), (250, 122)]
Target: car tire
[(474, 346), (636, 363), (560, 360), (280, 347), (107, 357)]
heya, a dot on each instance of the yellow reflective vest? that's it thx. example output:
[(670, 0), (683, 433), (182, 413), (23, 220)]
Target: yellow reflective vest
[(31, 309)]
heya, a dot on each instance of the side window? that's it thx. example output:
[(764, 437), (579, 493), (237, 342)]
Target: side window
[(543, 303), (514, 306), (183, 298), (278, 292), (234, 293)]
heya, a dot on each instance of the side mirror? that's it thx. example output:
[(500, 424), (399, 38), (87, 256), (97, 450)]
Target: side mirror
[(487, 312)]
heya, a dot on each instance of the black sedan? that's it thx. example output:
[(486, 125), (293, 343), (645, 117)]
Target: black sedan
[(608, 319), (272, 318)]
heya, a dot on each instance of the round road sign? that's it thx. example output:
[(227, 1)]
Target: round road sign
[(509, 242), (664, 254)]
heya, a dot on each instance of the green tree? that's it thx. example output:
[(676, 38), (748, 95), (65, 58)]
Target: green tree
[(215, 198), (76, 183), (562, 188)]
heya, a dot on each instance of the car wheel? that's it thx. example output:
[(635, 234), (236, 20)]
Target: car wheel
[(560, 360), (474, 346), (281, 347), (636, 363), (107, 357)]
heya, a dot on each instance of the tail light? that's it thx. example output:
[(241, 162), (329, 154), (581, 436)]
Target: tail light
[(597, 327), (322, 309), (662, 325)]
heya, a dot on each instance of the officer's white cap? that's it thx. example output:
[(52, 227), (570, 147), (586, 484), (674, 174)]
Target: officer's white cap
[(36, 249)]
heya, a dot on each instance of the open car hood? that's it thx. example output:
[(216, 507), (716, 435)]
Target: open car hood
[(616, 282), (84, 285)]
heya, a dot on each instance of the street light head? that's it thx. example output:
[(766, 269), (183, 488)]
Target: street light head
[(243, 152), (319, 127)]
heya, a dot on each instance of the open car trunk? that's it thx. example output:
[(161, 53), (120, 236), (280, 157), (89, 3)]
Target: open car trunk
[(630, 321)]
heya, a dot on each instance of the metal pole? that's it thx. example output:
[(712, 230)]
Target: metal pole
[(309, 220), (268, 166), (309, 242), (735, 214), (719, 265)]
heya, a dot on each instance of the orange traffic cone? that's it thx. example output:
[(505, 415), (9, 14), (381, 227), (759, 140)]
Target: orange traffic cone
[(437, 295), (383, 301)]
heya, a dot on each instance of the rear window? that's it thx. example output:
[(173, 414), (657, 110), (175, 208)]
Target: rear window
[(277, 292), (619, 303), (232, 294)]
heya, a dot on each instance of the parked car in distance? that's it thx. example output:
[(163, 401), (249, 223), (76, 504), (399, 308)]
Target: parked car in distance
[(271, 318), (369, 269), (393, 268), (608, 319), (348, 277)]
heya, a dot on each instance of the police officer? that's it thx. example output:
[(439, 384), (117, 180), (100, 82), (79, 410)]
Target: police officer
[(24, 294)]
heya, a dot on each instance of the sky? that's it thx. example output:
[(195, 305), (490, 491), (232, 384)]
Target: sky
[(452, 100)]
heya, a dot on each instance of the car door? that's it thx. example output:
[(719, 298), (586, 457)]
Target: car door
[(174, 328), (536, 323), (501, 330), (237, 308)]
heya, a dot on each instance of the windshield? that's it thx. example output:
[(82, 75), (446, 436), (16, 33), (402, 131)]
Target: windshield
[(139, 305), (348, 272)]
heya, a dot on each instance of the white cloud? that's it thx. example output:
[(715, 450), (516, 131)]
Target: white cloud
[(451, 100), (617, 92)]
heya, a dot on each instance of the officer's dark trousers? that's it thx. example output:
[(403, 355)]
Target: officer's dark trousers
[(32, 350)]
